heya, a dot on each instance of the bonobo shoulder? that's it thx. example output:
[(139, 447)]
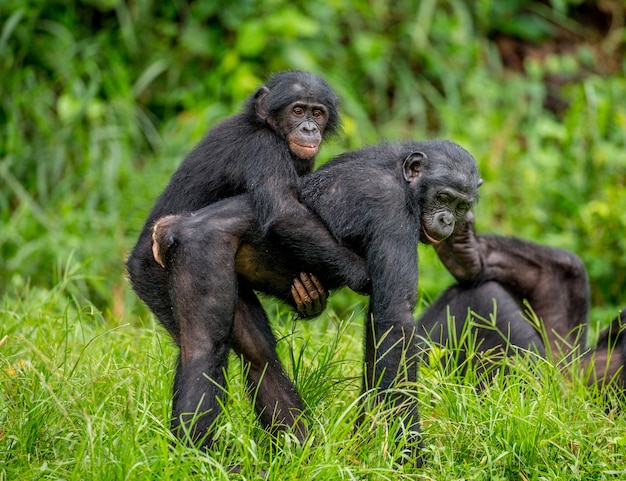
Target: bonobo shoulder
[(438, 153)]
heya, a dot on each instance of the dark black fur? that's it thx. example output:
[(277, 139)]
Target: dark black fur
[(447, 318), (378, 202), (496, 274), (245, 154), (262, 152)]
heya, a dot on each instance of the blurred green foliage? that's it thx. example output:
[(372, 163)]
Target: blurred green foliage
[(100, 100)]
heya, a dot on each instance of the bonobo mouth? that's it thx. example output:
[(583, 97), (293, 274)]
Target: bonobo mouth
[(428, 239), (306, 151)]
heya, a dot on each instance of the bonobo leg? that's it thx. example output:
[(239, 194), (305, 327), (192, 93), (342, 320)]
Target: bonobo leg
[(390, 358), (606, 364), (497, 321), (276, 399), (151, 283), (553, 281), (204, 304), (199, 254)]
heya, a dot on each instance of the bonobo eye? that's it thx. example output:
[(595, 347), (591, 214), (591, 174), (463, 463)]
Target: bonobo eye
[(317, 113), (298, 110), (463, 206), (442, 198)]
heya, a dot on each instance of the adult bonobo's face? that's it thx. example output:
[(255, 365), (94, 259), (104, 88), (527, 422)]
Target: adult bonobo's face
[(445, 179), (442, 210), (302, 108)]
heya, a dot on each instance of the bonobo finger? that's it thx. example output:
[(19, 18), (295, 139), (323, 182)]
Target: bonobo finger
[(315, 306), (299, 295), (316, 286), (467, 223), (296, 295), (316, 282)]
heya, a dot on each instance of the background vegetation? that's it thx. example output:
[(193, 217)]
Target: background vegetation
[(101, 99)]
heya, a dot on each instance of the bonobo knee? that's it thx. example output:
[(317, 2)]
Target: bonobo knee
[(169, 231), (195, 241), (572, 266)]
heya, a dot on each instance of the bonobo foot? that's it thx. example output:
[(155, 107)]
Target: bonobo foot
[(461, 252), (162, 239)]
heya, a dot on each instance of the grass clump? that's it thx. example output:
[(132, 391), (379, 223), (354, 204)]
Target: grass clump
[(83, 399)]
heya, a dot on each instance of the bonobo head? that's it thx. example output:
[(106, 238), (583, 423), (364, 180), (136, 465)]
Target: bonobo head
[(444, 178), (299, 106)]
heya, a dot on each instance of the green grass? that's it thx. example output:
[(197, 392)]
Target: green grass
[(99, 102), (85, 399)]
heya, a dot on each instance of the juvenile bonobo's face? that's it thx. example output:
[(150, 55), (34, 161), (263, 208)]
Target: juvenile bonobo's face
[(303, 125), (444, 178), (302, 108)]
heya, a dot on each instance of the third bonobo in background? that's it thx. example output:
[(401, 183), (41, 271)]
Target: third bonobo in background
[(509, 271)]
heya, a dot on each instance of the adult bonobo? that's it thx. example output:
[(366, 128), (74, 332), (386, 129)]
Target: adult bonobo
[(262, 152), (380, 202), (497, 274)]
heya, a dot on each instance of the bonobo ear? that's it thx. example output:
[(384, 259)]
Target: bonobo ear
[(480, 182), (260, 106), (412, 166)]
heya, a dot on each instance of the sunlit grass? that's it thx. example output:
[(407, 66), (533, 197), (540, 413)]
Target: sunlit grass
[(84, 399)]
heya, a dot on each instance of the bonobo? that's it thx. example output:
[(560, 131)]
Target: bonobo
[(379, 202), (496, 275), (261, 151)]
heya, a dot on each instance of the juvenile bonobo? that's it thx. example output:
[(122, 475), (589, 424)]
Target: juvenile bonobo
[(379, 202), (507, 271), (262, 152)]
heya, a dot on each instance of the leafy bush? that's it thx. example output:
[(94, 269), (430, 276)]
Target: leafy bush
[(107, 96)]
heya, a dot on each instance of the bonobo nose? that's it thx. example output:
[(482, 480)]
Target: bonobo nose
[(309, 127), (446, 219)]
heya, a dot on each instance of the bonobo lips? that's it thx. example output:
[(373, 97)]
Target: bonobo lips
[(305, 151), (310, 147), (429, 238)]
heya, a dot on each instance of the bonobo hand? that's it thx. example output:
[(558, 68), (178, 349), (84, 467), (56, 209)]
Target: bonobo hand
[(309, 295), (461, 252)]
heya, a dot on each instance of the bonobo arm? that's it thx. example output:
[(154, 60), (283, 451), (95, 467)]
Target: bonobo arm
[(284, 218), (303, 233), (553, 281), (393, 264), (390, 337)]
